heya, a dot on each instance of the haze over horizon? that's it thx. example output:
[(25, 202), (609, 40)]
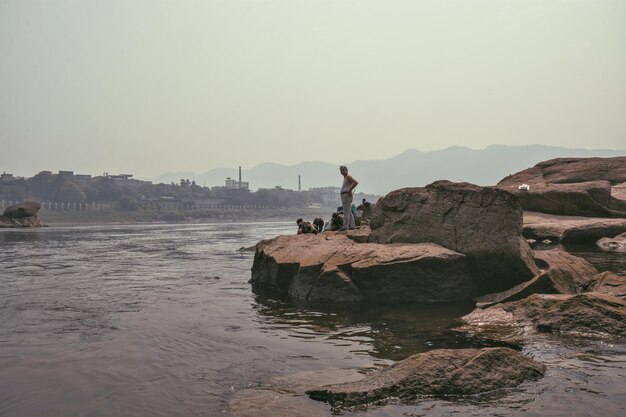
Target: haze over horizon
[(151, 86)]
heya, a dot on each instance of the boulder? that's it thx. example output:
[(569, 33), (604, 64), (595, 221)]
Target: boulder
[(483, 223), (586, 314), (331, 268), (571, 186), (570, 229), (23, 209), (443, 372), (609, 283), (561, 273)]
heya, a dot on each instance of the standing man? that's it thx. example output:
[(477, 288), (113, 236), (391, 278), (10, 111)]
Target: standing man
[(349, 184)]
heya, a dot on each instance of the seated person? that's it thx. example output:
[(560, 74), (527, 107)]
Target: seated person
[(336, 222), (366, 211), (318, 222), (305, 227)]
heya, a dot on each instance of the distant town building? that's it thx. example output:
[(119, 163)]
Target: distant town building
[(232, 184), (6, 177), (82, 180)]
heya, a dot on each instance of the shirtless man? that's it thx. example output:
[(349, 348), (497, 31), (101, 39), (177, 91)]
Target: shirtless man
[(349, 184)]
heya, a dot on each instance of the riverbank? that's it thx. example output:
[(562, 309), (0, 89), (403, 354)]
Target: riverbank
[(63, 218)]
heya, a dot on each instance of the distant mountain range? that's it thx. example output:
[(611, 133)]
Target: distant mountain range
[(411, 168)]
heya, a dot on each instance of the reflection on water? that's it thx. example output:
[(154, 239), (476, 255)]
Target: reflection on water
[(602, 260), (385, 332), (160, 320)]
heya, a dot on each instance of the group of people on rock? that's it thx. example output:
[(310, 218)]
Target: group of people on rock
[(349, 220)]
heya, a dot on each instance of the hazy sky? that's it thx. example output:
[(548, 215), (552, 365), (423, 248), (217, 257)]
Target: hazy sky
[(150, 86)]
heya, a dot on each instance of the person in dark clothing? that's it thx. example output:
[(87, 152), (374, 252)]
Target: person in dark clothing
[(336, 222), (305, 227), (318, 222)]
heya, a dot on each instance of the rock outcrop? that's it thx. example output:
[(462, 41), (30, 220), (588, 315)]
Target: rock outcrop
[(334, 269), (483, 223), (571, 186), (609, 283), (570, 229), (21, 215), (561, 273), (587, 314), (444, 372)]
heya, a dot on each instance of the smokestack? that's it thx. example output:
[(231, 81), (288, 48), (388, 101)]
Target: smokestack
[(240, 175), (299, 184)]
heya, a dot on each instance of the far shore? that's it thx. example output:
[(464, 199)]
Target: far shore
[(66, 218)]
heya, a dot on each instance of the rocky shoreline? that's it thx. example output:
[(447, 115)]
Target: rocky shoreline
[(457, 241)]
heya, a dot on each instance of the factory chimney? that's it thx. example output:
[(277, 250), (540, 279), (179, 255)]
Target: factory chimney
[(299, 183), (239, 176)]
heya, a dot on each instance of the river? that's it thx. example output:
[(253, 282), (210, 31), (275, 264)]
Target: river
[(160, 320)]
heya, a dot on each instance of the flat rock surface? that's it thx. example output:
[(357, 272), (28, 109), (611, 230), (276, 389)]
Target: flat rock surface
[(570, 229), (572, 186), (445, 372), (588, 314)]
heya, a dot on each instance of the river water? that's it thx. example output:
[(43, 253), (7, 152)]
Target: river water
[(159, 320)]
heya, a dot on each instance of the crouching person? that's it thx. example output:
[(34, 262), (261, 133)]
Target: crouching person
[(305, 227)]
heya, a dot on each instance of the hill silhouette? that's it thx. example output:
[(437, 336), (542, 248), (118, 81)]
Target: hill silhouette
[(408, 169)]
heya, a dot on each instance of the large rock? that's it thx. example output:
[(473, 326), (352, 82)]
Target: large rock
[(570, 229), (21, 215), (571, 186), (609, 283), (587, 314), (561, 273), (484, 223), (334, 269), (23, 209), (444, 372)]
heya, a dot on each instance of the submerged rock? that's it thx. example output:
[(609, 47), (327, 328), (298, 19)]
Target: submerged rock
[(571, 186), (587, 314), (443, 372), (270, 403), (483, 223), (334, 269)]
